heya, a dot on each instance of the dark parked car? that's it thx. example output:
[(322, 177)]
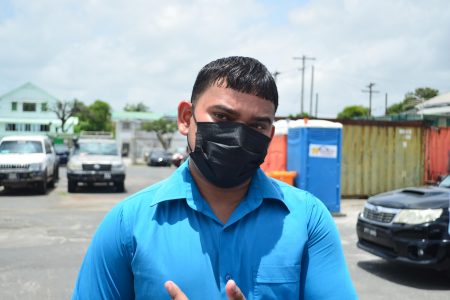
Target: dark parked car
[(180, 156), (63, 152), (408, 225), (160, 158)]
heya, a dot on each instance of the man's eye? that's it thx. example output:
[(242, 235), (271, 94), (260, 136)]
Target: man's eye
[(220, 116), (259, 127)]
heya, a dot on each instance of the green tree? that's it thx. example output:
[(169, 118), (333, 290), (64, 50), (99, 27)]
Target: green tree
[(411, 99), (95, 117), (164, 129), (139, 107), (300, 116), (354, 111)]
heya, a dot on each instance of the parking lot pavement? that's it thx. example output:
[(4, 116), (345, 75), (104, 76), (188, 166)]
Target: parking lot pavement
[(43, 240)]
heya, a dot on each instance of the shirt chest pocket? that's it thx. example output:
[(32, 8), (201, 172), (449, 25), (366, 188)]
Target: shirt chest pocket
[(276, 282)]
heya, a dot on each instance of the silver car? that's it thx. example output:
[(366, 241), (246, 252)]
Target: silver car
[(95, 161)]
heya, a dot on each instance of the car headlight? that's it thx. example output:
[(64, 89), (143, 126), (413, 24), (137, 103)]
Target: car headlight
[(35, 167), (118, 166), (417, 216), (74, 165)]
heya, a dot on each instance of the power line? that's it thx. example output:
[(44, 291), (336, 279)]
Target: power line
[(303, 58), (370, 91)]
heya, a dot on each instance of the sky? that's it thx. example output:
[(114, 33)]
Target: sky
[(151, 51)]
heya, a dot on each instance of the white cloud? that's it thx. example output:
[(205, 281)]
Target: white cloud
[(151, 51)]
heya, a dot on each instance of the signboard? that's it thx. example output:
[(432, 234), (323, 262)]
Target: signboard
[(324, 151)]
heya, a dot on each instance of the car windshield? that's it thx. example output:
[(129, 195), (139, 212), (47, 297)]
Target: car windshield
[(61, 148), (20, 147), (96, 148), (445, 182), (160, 153)]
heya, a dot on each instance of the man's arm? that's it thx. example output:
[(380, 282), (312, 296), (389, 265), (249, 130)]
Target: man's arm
[(324, 270), (106, 270)]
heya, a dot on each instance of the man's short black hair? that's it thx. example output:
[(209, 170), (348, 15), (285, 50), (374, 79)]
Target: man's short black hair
[(242, 74)]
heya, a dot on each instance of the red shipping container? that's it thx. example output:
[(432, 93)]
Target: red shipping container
[(437, 152), (276, 154)]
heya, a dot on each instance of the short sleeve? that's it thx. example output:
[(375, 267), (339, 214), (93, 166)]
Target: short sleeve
[(106, 269), (324, 271)]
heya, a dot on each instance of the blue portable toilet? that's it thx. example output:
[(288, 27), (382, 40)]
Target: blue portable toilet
[(314, 152)]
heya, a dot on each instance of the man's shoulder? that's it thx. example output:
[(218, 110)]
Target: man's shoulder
[(293, 197), (143, 198)]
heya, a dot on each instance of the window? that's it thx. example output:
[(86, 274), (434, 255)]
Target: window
[(29, 106), (44, 106), (11, 127), (21, 147), (27, 127), (13, 106), (126, 126), (48, 147), (45, 127)]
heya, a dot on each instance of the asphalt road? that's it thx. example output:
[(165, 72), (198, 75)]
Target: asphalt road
[(43, 240)]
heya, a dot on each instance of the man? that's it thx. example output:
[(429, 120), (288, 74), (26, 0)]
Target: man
[(218, 228)]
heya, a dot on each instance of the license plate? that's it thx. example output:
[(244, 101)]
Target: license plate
[(107, 175), (370, 231), (12, 176)]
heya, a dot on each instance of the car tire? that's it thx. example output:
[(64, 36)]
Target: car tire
[(56, 174), (120, 186), (71, 186), (42, 185), (52, 182)]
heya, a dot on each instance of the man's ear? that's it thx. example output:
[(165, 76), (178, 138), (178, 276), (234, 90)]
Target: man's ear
[(272, 132), (184, 116)]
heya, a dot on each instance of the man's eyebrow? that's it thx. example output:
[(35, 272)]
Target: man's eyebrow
[(234, 113), (225, 109), (267, 120)]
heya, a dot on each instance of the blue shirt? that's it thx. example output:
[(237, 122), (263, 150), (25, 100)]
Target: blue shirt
[(279, 243)]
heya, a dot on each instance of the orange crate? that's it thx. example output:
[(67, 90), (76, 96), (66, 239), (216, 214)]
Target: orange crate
[(285, 176)]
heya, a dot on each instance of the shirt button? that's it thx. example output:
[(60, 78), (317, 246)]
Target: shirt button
[(228, 277)]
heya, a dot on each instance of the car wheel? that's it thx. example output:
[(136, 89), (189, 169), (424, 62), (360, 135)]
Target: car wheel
[(52, 182), (120, 186), (42, 186), (71, 186), (56, 176)]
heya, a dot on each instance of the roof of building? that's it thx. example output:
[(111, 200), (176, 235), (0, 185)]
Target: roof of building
[(435, 106), (135, 116), (28, 91), (440, 100)]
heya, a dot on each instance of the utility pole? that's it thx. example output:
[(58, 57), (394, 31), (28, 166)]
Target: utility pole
[(317, 103), (311, 92), (385, 104), (370, 91), (303, 59)]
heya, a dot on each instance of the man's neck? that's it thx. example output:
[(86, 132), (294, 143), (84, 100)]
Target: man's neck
[(223, 201)]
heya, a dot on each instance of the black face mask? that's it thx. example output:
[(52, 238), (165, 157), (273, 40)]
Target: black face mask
[(228, 153)]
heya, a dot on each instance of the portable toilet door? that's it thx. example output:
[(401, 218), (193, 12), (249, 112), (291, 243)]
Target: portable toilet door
[(314, 152)]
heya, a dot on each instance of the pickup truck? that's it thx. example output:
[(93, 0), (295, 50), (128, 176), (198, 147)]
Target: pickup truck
[(28, 161), (95, 161)]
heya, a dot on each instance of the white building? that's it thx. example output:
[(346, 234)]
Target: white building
[(25, 110), (439, 105), (134, 142)]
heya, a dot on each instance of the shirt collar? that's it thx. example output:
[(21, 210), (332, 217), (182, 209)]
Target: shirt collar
[(181, 185)]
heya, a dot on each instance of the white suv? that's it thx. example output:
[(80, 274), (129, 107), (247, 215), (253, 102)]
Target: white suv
[(28, 161)]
